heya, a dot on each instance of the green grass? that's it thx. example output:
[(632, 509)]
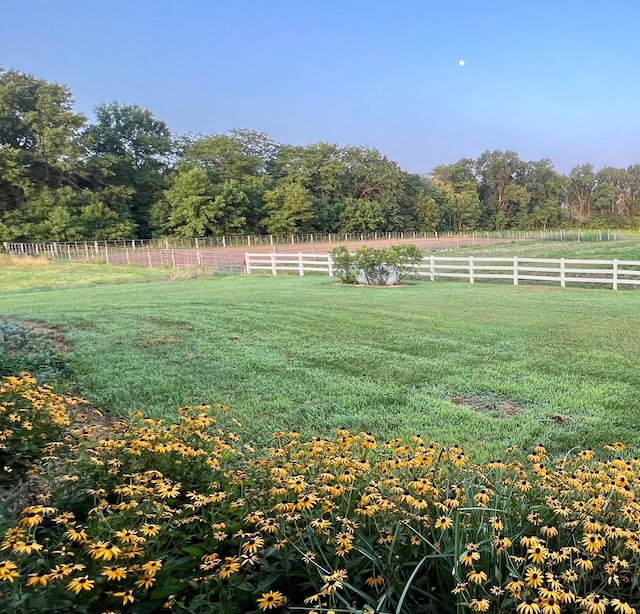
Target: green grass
[(66, 274), (624, 249), (485, 365)]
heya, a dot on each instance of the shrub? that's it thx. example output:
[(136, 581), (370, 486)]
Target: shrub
[(376, 267), (25, 348), (147, 516)]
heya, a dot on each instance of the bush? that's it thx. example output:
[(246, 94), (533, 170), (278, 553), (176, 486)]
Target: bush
[(147, 516), (376, 267), (25, 348)]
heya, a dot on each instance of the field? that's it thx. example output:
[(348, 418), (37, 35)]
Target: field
[(485, 366)]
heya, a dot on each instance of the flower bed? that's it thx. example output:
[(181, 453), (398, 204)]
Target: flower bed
[(143, 516)]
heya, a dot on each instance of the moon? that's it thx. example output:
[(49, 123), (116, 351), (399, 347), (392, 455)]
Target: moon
[(461, 63)]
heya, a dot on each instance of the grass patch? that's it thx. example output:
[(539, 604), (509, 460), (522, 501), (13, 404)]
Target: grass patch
[(20, 274), (622, 249), (307, 354)]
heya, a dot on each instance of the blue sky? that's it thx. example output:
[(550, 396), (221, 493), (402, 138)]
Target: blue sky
[(554, 80)]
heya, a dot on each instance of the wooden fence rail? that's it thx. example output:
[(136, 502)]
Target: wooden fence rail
[(562, 271)]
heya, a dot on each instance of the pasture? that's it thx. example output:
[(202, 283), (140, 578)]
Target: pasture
[(484, 366)]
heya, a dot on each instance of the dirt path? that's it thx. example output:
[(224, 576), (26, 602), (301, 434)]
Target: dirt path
[(229, 259)]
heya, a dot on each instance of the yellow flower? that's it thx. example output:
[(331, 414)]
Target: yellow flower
[(621, 607), (548, 531), (584, 564), (77, 535), (479, 605), (29, 547), (594, 604), (114, 573), (593, 543), (152, 567), (7, 571), (147, 580), (374, 581), (252, 545), (468, 558), (342, 549), (81, 584), (231, 566), (501, 543), (35, 579), (271, 600), (126, 596), (537, 554), (444, 523), (104, 550), (150, 530), (533, 577), (477, 577), (528, 607)]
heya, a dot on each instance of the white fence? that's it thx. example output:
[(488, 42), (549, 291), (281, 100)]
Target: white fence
[(562, 271), (299, 263)]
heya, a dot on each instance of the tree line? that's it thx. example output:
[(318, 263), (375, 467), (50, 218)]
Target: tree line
[(126, 175)]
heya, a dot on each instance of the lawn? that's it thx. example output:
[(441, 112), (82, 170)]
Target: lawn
[(483, 365)]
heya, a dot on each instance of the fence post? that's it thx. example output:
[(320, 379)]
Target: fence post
[(300, 264), (247, 263), (126, 251), (563, 282), (86, 249), (69, 251), (330, 259), (149, 258), (515, 270), (199, 255), (471, 276), (274, 270), (615, 273), (432, 267), (173, 258)]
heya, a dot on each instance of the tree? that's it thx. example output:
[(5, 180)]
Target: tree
[(191, 210), (39, 144), (290, 208), (581, 184), (498, 171), (129, 147), (69, 214), (547, 191)]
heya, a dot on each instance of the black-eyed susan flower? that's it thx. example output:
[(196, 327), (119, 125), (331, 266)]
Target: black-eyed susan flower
[(8, 571), (114, 573), (126, 596), (104, 550), (81, 584), (444, 523), (528, 607), (533, 577), (271, 600), (231, 565), (375, 581), (594, 604)]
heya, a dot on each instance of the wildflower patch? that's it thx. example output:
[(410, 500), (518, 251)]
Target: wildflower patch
[(146, 516)]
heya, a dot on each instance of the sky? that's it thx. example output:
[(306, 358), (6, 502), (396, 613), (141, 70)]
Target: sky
[(547, 79)]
